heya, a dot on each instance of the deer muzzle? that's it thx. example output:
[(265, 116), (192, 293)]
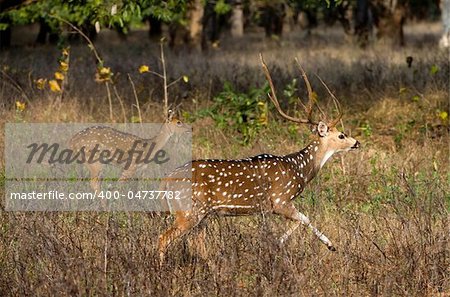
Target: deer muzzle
[(357, 145)]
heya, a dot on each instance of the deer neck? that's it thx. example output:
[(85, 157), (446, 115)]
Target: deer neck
[(161, 139), (312, 158)]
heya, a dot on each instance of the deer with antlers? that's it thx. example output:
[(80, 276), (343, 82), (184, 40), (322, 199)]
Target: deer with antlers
[(263, 183)]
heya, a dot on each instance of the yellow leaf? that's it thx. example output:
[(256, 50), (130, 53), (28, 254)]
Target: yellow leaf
[(103, 74), (63, 66), (40, 83), (59, 76), (20, 106), (314, 96), (443, 115), (143, 69), (54, 86), (185, 78), (263, 118), (65, 51), (105, 70)]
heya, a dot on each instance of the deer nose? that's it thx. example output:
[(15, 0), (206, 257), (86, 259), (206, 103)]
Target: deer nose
[(356, 145)]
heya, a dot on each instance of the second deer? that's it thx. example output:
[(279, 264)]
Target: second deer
[(111, 139), (264, 183)]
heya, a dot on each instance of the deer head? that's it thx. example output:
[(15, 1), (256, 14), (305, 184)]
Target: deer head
[(174, 125), (329, 139)]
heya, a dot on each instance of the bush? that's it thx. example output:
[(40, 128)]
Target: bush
[(245, 113)]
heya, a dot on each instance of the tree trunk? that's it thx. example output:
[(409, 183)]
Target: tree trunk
[(444, 42), (272, 17), (155, 31), (44, 29), (195, 23), (5, 38), (237, 20), (363, 24), (5, 35), (289, 20), (390, 18), (212, 25)]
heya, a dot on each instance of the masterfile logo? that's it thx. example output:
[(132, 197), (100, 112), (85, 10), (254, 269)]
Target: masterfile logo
[(96, 166)]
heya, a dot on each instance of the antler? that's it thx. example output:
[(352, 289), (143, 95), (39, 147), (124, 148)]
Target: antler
[(273, 96), (334, 122), (311, 99)]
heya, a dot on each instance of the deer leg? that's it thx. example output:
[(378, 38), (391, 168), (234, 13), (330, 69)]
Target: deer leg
[(127, 174), (289, 232), (95, 169), (289, 211), (184, 222)]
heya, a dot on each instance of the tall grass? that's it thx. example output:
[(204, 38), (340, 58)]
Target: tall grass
[(385, 207)]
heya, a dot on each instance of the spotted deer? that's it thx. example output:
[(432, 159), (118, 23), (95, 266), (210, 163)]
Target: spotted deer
[(263, 183), (112, 140)]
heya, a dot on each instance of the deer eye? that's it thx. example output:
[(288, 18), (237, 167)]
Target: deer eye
[(179, 123), (341, 136)]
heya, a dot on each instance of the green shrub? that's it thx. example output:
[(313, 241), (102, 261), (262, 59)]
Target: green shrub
[(245, 113)]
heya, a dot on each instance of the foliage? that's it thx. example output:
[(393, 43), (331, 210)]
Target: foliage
[(110, 13), (164, 10), (222, 7), (56, 84), (314, 4), (290, 91), (366, 129), (245, 113)]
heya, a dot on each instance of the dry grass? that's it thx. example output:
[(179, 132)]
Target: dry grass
[(386, 207)]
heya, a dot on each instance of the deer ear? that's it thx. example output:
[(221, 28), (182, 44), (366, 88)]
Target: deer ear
[(322, 129)]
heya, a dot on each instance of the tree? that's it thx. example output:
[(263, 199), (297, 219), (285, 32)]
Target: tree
[(87, 13), (363, 22), (389, 18), (5, 31), (272, 17), (237, 19), (444, 42)]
